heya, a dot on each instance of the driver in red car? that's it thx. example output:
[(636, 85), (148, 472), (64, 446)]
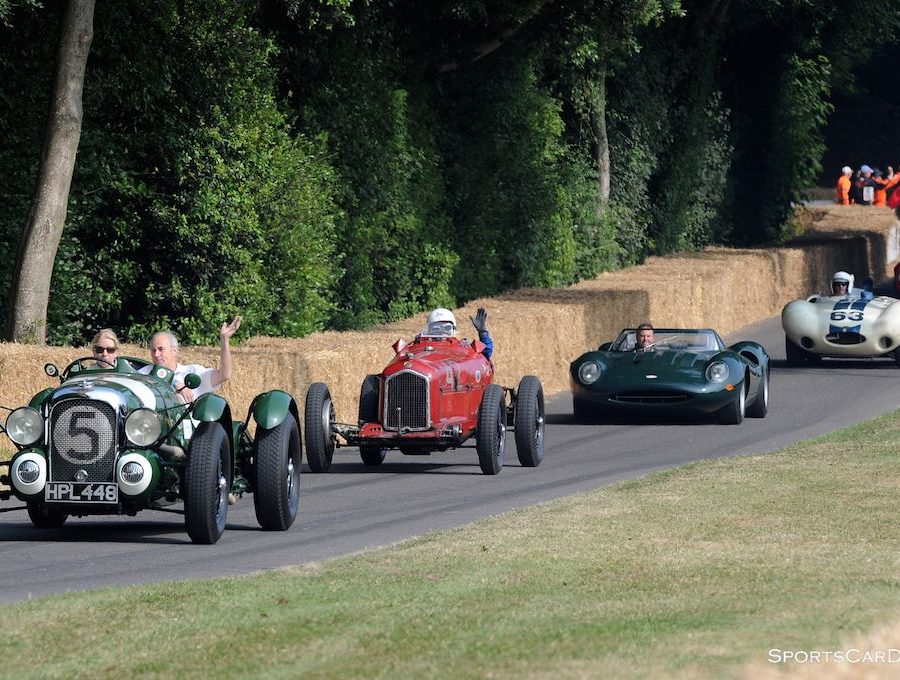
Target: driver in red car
[(442, 323)]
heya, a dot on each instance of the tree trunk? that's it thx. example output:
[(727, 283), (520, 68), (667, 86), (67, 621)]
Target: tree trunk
[(40, 238), (600, 136)]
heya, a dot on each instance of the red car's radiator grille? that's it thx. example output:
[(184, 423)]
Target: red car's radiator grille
[(649, 397), (406, 400), (82, 437)]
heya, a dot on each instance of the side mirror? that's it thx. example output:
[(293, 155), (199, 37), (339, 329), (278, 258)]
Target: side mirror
[(51, 370), (192, 381), (604, 347)]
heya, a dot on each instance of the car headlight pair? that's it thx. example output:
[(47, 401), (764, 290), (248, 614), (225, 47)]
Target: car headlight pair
[(717, 372), (589, 372), (143, 427)]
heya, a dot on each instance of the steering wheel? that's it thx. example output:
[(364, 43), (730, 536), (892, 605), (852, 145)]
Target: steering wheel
[(90, 363)]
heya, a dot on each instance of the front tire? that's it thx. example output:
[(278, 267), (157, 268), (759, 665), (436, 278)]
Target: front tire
[(760, 407), (43, 516), (278, 457), (371, 454), (529, 425), (208, 473), (733, 414), (583, 411), (795, 354), (318, 420), (490, 434)]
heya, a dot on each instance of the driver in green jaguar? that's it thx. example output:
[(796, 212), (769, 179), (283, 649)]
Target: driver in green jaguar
[(644, 337)]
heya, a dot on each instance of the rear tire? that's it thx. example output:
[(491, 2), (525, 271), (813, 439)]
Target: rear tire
[(490, 434), (529, 425), (371, 454), (208, 481), (318, 420), (43, 516), (278, 458)]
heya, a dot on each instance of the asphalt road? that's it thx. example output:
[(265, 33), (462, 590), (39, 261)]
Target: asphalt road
[(353, 508)]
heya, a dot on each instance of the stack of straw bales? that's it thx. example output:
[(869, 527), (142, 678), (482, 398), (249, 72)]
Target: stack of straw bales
[(540, 331)]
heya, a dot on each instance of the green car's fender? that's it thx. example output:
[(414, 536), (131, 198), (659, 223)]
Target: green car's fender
[(211, 408), (38, 399), (271, 408)]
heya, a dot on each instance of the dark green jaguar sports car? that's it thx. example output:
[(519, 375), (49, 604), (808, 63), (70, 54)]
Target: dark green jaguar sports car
[(682, 372)]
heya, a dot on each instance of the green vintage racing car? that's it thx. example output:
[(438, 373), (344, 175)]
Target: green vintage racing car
[(109, 440), (684, 372)]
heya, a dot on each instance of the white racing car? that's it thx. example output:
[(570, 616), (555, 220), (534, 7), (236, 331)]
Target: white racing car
[(849, 323)]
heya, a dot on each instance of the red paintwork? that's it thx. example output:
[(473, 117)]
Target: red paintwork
[(897, 277), (458, 374)]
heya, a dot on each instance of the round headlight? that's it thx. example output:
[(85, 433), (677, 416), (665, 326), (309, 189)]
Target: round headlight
[(132, 473), (28, 472), (588, 372), (143, 427), (135, 474), (25, 426), (717, 372)]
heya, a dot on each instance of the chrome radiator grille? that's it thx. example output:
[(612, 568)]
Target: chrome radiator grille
[(406, 403), (82, 437)]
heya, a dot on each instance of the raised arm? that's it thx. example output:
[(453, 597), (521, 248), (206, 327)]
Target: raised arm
[(223, 372)]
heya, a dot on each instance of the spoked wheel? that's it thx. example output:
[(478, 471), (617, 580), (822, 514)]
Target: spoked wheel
[(490, 434), (760, 407), (530, 422), (44, 516), (733, 414), (277, 494), (371, 454), (319, 421), (208, 480)]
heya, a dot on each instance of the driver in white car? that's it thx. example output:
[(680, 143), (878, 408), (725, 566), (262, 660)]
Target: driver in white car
[(841, 283)]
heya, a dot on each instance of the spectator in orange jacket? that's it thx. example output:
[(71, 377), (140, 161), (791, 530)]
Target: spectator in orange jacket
[(843, 186), (890, 187), (880, 188)]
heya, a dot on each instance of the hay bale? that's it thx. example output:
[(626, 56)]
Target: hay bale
[(539, 332)]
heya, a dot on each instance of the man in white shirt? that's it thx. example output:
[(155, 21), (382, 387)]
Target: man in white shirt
[(164, 352)]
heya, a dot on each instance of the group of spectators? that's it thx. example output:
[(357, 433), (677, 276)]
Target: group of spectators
[(868, 186), (164, 352)]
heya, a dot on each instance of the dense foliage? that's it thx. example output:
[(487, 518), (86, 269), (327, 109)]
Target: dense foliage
[(338, 163)]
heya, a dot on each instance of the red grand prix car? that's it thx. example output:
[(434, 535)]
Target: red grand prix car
[(436, 394)]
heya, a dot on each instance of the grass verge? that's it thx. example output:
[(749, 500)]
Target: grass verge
[(694, 572)]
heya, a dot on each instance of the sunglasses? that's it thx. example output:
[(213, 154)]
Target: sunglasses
[(98, 349), (842, 284)]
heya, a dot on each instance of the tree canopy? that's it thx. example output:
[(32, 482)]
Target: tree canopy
[(338, 163)]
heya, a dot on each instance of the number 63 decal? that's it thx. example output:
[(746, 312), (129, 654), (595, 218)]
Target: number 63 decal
[(852, 315)]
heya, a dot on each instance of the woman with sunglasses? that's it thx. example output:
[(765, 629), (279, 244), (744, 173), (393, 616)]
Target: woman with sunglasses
[(106, 348)]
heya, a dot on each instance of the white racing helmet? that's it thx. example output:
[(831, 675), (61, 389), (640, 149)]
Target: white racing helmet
[(842, 277), (441, 323)]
